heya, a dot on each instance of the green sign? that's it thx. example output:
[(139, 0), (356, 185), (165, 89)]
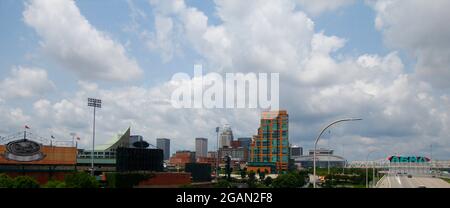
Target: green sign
[(408, 159)]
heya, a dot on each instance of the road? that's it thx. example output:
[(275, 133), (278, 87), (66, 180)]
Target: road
[(402, 181)]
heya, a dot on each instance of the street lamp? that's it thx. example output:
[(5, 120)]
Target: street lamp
[(317, 140), (367, 168), (95, 103)]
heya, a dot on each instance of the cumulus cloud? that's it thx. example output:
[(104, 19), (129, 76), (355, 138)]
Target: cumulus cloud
[(25, 82), (69, 39), (146, 110), (420, 28), (271, 37), (319, 6), (316, 87), (401, 112), (12, 118)]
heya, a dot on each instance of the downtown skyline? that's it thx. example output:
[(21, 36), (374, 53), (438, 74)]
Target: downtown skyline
[(369, 59)]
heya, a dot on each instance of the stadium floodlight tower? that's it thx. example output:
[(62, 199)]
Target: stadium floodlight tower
[(217, 157), (95, 103), (317, 140)]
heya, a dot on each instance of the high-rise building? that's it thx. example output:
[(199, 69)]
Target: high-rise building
[(201, 147), (270, 147), (226, 137), (245, 143), (296, 151), (164, 144)]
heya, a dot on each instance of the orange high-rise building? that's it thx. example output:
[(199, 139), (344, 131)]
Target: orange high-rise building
[(270, 147)]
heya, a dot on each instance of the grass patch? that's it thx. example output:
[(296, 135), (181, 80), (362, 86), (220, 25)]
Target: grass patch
[(446, 179)]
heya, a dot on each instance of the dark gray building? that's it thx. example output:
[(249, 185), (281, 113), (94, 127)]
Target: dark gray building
[(296, 151), (245, 143), (164, 144)]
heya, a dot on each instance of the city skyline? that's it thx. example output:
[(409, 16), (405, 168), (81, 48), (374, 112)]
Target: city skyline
[(346, 59)]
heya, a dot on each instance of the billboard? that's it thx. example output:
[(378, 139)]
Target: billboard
[(30, 152), (408, 159)]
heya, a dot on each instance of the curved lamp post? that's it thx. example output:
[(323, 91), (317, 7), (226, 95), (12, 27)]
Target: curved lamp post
[(317, 140)]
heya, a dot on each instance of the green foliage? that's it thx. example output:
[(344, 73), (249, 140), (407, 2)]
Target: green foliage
[(80, 180), (268, 181), (222, 184), (186, 186), (54, 184), (290, 180), (244, 173), (251, 175), (22, 182), (126, 180), (5, 181), (446, 179), (262, 175)]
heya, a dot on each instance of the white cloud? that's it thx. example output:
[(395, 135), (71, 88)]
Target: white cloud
[(270, 37), (12, 119), (401, 113), (69, 38), (316, 87), (317, 7), (25, 82), (420, 28), (163, 39), (146, 110)]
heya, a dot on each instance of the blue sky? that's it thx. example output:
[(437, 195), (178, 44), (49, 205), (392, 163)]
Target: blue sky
[(356, 54)]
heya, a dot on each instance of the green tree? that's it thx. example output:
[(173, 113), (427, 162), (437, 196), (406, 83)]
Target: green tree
[(81, 180), (22, 182), (55, 184), (262, 175), (5, 181), (251, 175), (268, 181), (244, 173), (289, 180), (251, 182), (222, 184)]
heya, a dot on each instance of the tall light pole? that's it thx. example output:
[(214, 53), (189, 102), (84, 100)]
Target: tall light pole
[(217, 146), (367, 168), (95, 103), (317, 140)]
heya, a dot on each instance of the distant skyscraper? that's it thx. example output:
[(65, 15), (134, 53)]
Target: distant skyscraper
[(164, 144), (201, 147), (245, 143), (226, 137)]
